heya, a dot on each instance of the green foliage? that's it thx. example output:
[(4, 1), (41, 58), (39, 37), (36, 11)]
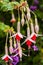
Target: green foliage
[(39, 14), (4, 6), (3, 26), (6, 1)]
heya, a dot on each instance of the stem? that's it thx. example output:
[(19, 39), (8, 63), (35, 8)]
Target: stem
[(6, 63), (34, 16), (33, 13), (22, 13), (28, 31), (27, 23), (18, 23), (18, 27), (20, 50), (14, 42), (28, 51), (6, 39), (6, 49), (32, 27), (18, 15), (10, 40)]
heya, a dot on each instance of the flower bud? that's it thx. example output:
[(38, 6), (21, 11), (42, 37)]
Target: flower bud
[(28, 14), (36, 26), (11, 47), (13, 20), (22, 21), (28, 31), (18, 26)]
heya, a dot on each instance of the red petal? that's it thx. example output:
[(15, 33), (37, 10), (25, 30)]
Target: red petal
[(6, 59), (34, 37), (28, 43), (18, 37)]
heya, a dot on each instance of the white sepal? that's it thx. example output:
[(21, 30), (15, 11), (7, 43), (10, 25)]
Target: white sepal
[(7, 56)]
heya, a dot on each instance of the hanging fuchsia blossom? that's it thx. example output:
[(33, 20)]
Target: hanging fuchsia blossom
[(18, 36), (13, 20), (29, 42), (33, 36), (6, 58)]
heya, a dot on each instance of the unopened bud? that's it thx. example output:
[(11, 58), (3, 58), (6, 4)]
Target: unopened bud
[(18, 26), (36, 26), (22, 21)]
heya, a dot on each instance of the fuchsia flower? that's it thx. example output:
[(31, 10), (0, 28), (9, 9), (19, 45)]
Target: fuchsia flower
[(6, 58), (29, 42), (33, 36), (18, 36)]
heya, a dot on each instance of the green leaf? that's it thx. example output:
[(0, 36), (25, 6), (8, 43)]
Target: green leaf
[(8, 6), (6, 1), (39, 14), (3, 26), (15, 3), (41, 5)]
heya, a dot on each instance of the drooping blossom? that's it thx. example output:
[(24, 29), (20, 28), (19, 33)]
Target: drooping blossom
[(13, 20), (36, 26)]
